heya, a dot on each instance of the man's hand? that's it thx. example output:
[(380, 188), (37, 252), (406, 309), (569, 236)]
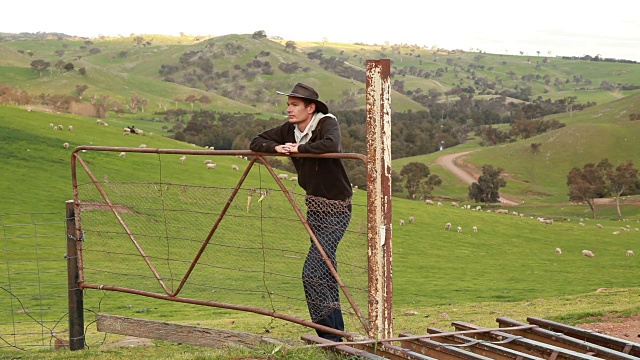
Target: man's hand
[(293, 147)]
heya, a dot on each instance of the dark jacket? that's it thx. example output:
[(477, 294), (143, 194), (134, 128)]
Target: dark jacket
[(326, 178)]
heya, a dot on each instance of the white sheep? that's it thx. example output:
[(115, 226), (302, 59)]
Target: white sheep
[(411, 219), (478, 207), (123, 154), (401, 222), (588, 253), (630, 253), (558, 251), (459, 229), (211, 166), (599, 226), (429, 202), (70, 127), (439, 203), (142, 146), (208, 161), (283, 176), (183, 158), (454, 204), (548, 221), (60, 127), (616, 233), (447, 226), (51, 125), (66, 145), (235, 167), (475, 229), (295, 178)]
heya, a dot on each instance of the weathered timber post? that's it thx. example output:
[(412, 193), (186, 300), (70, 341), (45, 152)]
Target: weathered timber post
[(378, 89), (75, 296)]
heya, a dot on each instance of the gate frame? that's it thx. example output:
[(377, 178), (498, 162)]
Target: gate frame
[(379, 219)]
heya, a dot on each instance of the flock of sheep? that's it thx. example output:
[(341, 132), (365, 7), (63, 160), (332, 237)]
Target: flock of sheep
[(448, 226)]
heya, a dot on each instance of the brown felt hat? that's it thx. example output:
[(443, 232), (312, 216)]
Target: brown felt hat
[(301, 90)]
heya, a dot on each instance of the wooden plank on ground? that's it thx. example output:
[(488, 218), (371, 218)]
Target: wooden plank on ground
[(185, 334)]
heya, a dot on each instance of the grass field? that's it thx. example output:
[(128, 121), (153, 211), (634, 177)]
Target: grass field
[(508, 268)]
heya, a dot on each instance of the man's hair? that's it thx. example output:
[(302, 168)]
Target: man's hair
[(308, 102)]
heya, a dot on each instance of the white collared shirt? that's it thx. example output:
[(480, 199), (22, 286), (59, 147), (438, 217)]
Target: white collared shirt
[(303, 136)]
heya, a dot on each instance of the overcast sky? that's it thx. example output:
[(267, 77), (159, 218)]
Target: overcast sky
[(557, 27)]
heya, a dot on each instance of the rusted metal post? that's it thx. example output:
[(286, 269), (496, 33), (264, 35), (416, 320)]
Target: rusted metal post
[(76, 300), (379, 198)]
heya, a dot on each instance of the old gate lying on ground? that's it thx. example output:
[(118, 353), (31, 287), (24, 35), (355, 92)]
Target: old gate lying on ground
[(539, 339)]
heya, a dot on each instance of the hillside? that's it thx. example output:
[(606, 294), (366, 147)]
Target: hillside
[(239, 73)]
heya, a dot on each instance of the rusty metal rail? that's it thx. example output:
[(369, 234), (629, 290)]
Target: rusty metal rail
[(540, 339)]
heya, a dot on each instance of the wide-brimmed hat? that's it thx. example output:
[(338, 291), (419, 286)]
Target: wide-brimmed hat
[(301, 90)]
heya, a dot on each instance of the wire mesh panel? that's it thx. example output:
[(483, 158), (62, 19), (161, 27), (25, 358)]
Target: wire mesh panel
[(33, 287), (221, 235)]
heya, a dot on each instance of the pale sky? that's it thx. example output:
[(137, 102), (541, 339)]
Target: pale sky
[(556, 27)]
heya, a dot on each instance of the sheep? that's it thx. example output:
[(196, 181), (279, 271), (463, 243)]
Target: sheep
[(401, 222), (429, 202), (51, 125), (548, 222), (454, 204), (630, 253), (211, 166), (66, 145), (558, 251), (235, 167), (60, 127), (447, 226), (70, 128), (139, 132), (588, 253), (478, 207), (183, 158), (208, 161), (411, 219), (439, 203), (599, 226), (123, 154), (459, 229), (475, 229), (616, 233), (142, 146), (283, 176), (295, 178)]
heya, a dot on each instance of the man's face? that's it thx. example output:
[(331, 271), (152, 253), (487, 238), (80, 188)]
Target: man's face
[(298, 112)]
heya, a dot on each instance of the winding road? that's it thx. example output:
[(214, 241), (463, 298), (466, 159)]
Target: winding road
[(449, 162)]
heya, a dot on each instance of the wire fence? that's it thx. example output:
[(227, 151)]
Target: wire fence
[(33, 281)]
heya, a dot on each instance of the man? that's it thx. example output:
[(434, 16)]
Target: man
[(312, 129)]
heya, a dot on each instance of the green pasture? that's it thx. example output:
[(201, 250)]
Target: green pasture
[(508, 268)]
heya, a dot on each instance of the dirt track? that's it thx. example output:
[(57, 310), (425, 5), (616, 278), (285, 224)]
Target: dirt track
[(449, 162)]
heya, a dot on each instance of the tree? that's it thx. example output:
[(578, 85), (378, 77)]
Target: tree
[(80, 89), (535, 148), (585, 185), (40, 66), (138, 40), (290, 46), (259, 34), (487, 189), (621, 180), (417, 177)]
